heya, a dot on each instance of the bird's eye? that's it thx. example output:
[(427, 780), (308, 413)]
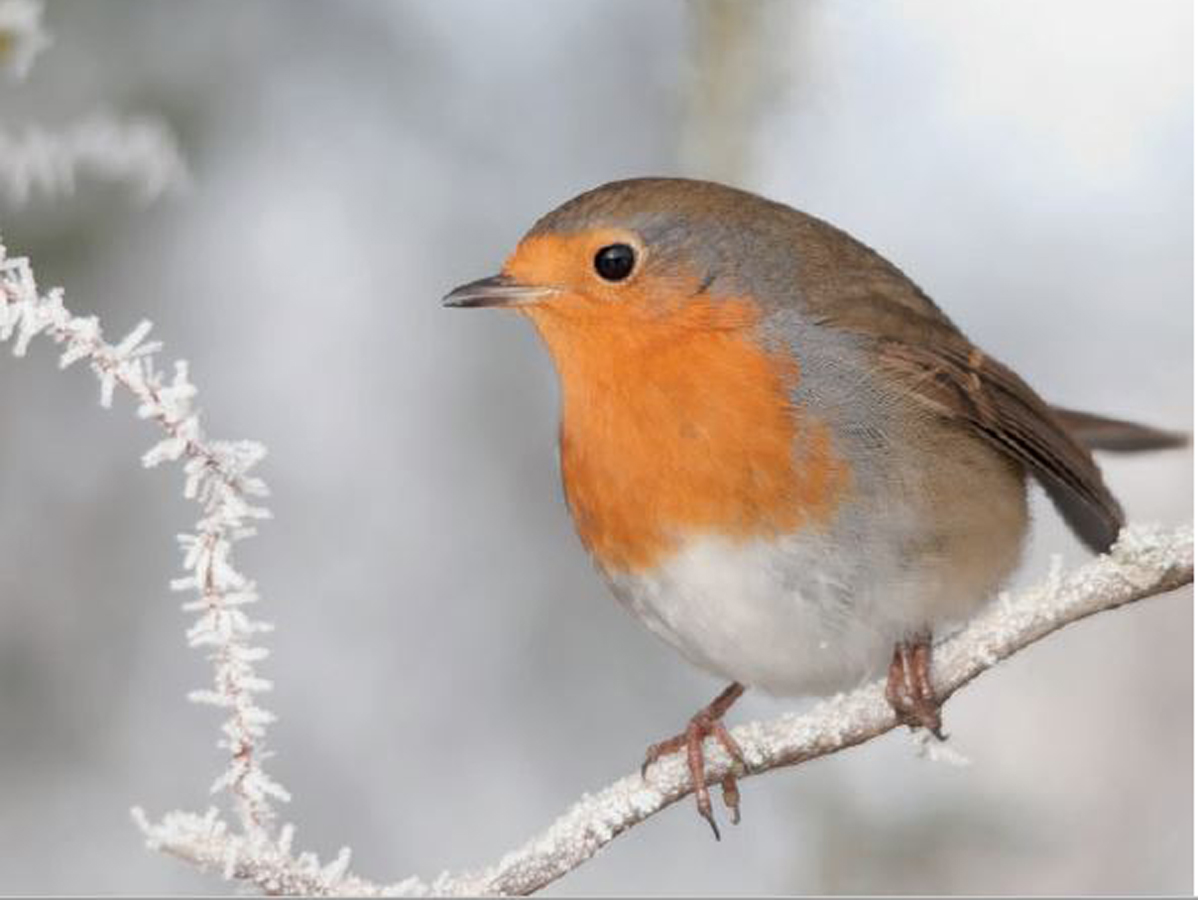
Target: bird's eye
[(615, 262)]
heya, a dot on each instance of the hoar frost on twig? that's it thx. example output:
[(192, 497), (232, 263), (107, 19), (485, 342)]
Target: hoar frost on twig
[(217, 477), (139, 151), (1144, 562)]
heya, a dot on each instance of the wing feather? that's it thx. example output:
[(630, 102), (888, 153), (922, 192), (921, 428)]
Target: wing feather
[(937, 366)]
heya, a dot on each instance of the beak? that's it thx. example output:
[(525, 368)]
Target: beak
[(498, 290)]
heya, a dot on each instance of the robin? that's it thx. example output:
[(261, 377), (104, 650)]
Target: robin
[(784, 459)]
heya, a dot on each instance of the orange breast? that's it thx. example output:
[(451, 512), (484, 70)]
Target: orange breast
[(679, 425)]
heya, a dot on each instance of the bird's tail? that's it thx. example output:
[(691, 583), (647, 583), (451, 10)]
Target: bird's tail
[(1101, 433)]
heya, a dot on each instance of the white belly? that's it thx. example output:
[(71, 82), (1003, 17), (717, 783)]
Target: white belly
[(800, 615)]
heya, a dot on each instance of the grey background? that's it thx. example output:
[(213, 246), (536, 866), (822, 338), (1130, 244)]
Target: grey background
[(450, 672)]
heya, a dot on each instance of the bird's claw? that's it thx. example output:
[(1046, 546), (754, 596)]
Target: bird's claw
[(909, 691), (706, 723), (732, 797)]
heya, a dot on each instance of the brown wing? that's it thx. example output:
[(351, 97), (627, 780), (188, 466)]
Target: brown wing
[(847, 285), (961, 381), (942, 369)]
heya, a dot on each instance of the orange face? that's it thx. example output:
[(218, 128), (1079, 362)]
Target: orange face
[(568, 264), (676, 419)]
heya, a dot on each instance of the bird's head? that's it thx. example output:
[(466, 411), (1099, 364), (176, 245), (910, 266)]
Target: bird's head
[(639, 257)]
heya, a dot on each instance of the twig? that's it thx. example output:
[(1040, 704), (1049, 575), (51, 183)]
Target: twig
[(1145, 561), (139, 151), (217, 478)]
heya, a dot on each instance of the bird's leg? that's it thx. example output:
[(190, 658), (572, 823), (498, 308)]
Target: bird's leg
[(908, 689), (703, 724)]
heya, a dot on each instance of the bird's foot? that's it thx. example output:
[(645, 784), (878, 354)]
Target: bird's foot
[(908, 689), (706, 723)]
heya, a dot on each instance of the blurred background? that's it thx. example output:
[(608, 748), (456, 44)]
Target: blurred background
[(450, 673)]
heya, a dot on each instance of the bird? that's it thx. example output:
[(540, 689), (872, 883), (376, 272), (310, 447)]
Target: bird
[(781, 455)]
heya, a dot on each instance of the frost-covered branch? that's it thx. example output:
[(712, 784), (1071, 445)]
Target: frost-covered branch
[(217, 478), (141, 152), (1145, 561)]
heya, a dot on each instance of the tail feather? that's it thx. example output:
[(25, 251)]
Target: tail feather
[(1101, 433)]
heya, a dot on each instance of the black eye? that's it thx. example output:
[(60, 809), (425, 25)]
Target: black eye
[(615, 262)]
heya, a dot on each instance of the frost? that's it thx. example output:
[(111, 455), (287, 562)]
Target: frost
[(1143, 563), (930, 748), (141, 152), (336, 870), (215, 474), (168, 449)]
